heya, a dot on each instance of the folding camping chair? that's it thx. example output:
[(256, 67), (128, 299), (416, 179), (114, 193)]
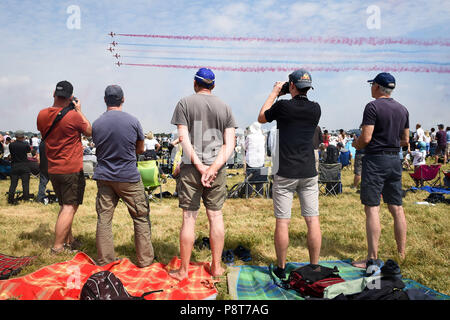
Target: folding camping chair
[(427, 174), (345, 159), (447, 179), (257, 182), (149, 171), (330, 178)]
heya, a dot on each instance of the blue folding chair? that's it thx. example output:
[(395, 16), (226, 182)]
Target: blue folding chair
[(344, 159)]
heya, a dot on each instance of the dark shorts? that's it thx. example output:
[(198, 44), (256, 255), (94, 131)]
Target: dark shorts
[(69, 188), (358, 163), (381, 175), (440, 150), (191, 190)]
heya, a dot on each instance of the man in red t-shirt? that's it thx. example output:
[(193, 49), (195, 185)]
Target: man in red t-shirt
[(65, 160)]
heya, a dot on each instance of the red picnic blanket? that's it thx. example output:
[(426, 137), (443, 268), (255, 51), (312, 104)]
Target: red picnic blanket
[(64, 281)]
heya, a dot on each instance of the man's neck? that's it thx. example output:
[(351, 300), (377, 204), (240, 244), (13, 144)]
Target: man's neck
[(203, 91), (114, 108), (60, 103)]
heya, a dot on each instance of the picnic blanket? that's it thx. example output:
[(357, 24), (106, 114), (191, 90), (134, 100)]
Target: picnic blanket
[(64, 281), (256, 283), (431, 189), (11, 266)]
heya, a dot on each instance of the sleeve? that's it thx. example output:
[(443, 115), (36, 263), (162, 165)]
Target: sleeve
[(273, 113), (407, 120), (231, 121), (140, 132), (80, 124), (370, 115), (179, 115)]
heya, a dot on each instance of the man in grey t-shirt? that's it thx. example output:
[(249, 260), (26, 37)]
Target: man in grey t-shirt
[(118, 137), (206, 128)]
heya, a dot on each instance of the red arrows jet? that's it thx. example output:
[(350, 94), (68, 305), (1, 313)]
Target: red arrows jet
[(112, 34), (114, 43), (116, 55), (118, 63), (110, 49)]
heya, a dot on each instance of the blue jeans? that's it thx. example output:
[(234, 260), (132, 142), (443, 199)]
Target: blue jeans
[(43, 180)]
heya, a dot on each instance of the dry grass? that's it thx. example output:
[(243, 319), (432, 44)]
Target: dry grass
[(27, 229)]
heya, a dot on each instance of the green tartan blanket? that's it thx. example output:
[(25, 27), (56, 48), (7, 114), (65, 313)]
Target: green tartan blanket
[(256, 282)]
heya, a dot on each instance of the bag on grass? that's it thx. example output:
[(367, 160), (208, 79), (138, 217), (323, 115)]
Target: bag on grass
[(105, 285), (312, 279)]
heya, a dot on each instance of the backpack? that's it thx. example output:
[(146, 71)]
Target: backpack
[(105, 285), (332, 154), (312, 279)]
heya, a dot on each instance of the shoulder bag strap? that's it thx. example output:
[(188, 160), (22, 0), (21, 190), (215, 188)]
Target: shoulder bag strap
[(59, 116)]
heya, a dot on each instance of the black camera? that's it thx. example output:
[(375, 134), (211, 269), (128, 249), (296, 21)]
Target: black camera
[(284, 89), (72, 103)]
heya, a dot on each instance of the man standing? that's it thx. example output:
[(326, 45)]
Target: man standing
[(385, 127), (118, 138), (420, 134), (207, 128), (441, 137), (65, 160), (297, 120), (19, 167)]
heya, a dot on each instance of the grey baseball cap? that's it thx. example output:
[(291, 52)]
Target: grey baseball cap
[(301, 78), (113, 95), (19, 134)]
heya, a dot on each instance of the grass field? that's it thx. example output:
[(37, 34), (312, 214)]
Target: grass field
[(27, 229)]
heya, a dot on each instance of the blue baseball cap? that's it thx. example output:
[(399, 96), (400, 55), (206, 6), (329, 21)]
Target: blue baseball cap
[(301, 79), (384, 79), (205, 76), (422, 146)]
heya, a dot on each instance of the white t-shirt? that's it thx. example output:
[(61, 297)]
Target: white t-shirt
[(420, 134), (150, 144), (418, 157), (35, 142), (427, 139), (255, 147)]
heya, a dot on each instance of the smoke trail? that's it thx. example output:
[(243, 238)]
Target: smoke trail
[(414, 69), (356, 41)]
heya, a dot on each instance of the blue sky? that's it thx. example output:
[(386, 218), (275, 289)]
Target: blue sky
[(38, 50)]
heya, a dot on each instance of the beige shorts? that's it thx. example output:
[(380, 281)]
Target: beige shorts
[(283, 194), (191, 190)]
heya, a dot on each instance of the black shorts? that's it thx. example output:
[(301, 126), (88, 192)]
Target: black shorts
[(69, 188), (381, 175)]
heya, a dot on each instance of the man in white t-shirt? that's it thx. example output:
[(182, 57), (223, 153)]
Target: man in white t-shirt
[(420, 134)]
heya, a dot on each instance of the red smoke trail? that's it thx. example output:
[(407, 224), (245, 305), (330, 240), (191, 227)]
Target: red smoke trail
[(357, 41), (310, 68)]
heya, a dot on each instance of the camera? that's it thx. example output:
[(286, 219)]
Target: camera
[(284, 89), (72, 103)]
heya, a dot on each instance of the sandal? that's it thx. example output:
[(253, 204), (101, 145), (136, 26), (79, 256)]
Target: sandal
[(242, 253), (75, 245), (228, 257)]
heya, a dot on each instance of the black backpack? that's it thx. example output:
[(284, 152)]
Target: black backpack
[(105, 285)]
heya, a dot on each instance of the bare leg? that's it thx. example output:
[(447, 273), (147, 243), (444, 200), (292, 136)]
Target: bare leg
[(187, 238), (64, 224), (373, 231), (356, 180), (399, 228), (314, 238), (217, 239), (281, 238)]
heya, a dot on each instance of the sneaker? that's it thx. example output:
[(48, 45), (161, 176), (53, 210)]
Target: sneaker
[(280, 273)]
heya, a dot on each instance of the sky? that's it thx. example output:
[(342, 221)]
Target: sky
[(248, 44)]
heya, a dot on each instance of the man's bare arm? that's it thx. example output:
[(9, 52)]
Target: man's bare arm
[(365, 137)]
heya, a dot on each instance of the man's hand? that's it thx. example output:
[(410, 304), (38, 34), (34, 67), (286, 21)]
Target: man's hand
[(209, 176), (277, 87), (77, 104)]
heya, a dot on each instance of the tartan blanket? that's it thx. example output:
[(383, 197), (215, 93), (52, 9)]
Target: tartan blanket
[(256, 283), (64, 281), (11, 266)]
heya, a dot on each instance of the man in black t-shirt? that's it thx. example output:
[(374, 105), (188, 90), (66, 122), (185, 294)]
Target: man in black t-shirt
[(294, 168), (385, 127), (19, 167)]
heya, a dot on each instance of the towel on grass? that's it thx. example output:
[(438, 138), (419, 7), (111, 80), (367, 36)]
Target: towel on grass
[(256, 283), (64, 281)]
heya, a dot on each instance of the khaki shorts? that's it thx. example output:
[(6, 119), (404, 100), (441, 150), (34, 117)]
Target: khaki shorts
[(358, 164), (69, 188), (283, 194), (191, 190)]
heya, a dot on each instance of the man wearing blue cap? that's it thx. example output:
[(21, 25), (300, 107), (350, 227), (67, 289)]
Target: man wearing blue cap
[(118, 137), (385, 128), (297, 120), (206, 128)]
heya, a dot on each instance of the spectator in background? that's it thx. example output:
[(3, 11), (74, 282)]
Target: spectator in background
[(359, 154), (441, 137), (20, 168), (427, 140), (35, 142), (64, 152), (433, 143), (255, 154), (326, 138), (447, 150), (151, 146), (420, 134), (6, 154), (317, 140), (118, 138), (419, 155)]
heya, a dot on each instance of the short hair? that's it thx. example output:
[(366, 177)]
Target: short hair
[(204, 85), (441, 126), (386, 91)]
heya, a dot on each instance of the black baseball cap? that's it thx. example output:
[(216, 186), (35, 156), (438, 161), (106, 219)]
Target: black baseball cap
[(384, 79), (64, 89), (113, 95)]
